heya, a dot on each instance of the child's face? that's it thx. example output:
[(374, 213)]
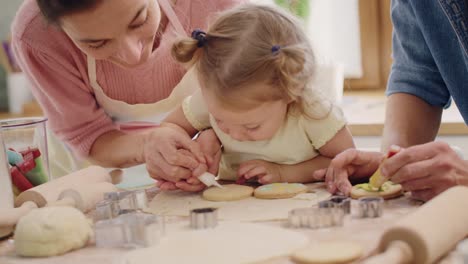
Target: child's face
[(258, 123)]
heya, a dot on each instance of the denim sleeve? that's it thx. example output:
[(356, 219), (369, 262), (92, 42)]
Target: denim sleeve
[(414, 70)]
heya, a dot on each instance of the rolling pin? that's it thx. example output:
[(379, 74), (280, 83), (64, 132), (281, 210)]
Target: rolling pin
[(83, 198), (86, 198), (427, 234), (48, 192)]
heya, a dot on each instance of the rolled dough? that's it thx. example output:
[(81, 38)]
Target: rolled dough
[(279, 190), (51, 231), (229, 192), (228, 243), (388, 190), (179, 203), (328, 252)]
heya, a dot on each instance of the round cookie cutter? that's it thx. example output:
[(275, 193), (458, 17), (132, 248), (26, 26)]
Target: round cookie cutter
[(370, 207), (203, 218)]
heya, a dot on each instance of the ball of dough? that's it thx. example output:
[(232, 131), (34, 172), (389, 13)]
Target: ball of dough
[(229, 192), (328, 252), (51, 231), (388, 190), (279, 190)]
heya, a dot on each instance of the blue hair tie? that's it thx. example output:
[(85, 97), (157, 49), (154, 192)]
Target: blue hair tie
[(275, 49), (200, 36)]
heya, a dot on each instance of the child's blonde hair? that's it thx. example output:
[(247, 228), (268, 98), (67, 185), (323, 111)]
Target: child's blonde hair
[(254, 44)]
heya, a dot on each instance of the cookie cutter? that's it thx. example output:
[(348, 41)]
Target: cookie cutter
[(119, 203), (203, 218), (337, 201), (133, 230), (315, 218), (370, 207), (462, 249)]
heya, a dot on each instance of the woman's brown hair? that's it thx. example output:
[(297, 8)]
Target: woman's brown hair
[(53, 10), (252, 44)]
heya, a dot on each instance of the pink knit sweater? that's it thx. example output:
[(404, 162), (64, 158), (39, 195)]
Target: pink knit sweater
[(57, 70)]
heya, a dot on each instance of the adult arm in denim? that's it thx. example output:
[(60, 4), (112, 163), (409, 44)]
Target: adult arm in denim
[(417, 95), (417, 92)]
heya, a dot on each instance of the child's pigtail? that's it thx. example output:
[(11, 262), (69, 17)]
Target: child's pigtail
[(289, 67), (184, 49)]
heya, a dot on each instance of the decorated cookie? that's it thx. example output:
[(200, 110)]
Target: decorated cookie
[(229, 192), (328, 252), (388, 190), (279, 190)]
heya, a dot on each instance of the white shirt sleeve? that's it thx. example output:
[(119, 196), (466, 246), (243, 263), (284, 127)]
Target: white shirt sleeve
[(196, 112), (320, 131)]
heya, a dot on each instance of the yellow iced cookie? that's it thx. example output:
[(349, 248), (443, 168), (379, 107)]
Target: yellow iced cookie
[(388, 190)]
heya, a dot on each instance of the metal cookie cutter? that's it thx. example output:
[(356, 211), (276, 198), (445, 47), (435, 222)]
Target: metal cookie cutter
[(118, 203), (370, 207), (462, 249), (130, 230), (337, 201), (315, 217), (203, 218)]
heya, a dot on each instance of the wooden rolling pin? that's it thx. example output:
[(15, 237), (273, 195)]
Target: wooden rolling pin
[(429, 233), (86, 198), (49, 192), (81, 182)]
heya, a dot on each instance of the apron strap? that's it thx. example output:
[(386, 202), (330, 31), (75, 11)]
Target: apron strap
[(92, 72), (171, 15)]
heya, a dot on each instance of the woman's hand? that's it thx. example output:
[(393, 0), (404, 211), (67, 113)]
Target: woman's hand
[(351, 163), (211, 148), (165, 154), (426, 170), (266, 172)]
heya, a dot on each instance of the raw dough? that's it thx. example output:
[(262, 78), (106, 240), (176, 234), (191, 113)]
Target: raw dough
[(51, 231), (230, 192), (179, 203), (388, 190), (279, 190), (228, 243), (328, 252)]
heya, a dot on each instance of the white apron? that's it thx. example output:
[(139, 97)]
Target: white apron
[(137, 116)]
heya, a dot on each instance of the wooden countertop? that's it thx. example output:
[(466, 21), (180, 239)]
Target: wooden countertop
[(365, 232), (365, 111)]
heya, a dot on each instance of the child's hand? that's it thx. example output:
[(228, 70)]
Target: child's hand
[(211, 148), (266, 172), (191, 184), (350, 163)]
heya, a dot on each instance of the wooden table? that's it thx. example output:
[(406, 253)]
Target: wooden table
[(363, 231)]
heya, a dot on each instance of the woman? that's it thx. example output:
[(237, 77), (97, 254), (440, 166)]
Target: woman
[(96, 65)]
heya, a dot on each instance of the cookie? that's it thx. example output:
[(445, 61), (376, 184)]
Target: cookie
[(328, 252), (229, 192), (388, 190), (279, 190)]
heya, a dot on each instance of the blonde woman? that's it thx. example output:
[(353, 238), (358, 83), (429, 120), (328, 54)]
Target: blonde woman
[(255, 66)]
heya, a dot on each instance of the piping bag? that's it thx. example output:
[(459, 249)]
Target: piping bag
[(207, 178)]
